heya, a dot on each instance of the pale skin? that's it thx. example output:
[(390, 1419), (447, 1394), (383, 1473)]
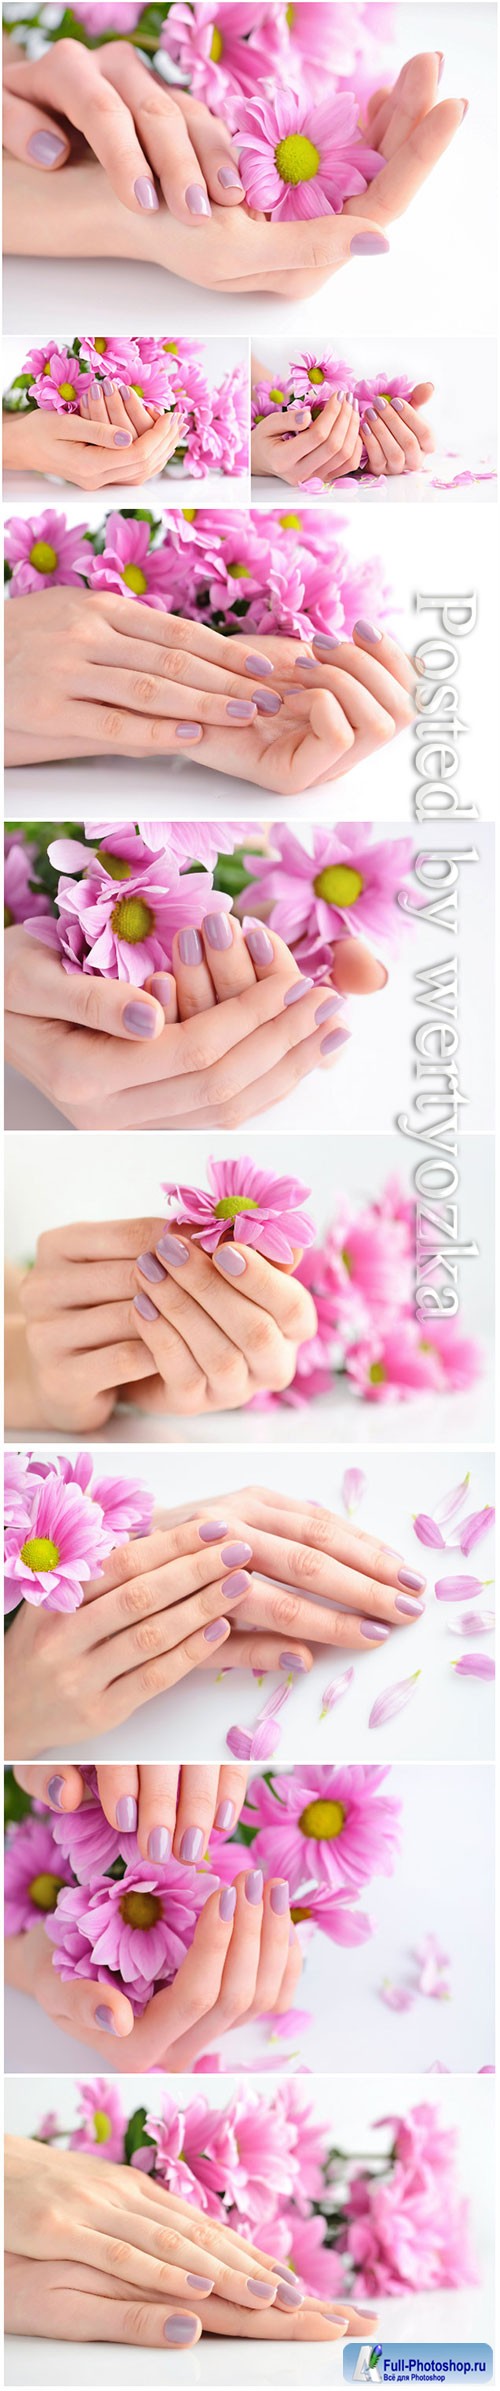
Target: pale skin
[(310, 1578), (236, 251), (136, 682), (94, 2247), (329, 443), (112, 439)]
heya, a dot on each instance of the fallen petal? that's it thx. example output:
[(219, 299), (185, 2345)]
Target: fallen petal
[(428, 1531), (395, 1698), (451, 1503), (334, 1693), (470, 1623), (353, 1487), (396, 1996), (474, 1664), (458, 1589), (475, 1526)]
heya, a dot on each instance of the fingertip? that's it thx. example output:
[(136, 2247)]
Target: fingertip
[(140, 1019)]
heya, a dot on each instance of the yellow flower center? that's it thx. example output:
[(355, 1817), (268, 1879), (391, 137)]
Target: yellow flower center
[(132, 920), (47, 367), (114, 865), (278, 396), (291, 522), (297, 1914), (66, 390), (43, 557), (137, 386), (324, 1820), (230, 1206), (135, 579), (290, 14), (216, 46), (44, 1890), (239, 572), (101, 2123), (141, 1909), (339, 884), (40, 1553), (170, 347), (296, 159), (315, 373), (101, 346), (7, 918), (377, 1374), (189, 513)]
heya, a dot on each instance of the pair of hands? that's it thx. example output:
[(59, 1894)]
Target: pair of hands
[(114, 438), (97, 2252), (309, 1578), (131, 681), (140, 131), (330, 446)]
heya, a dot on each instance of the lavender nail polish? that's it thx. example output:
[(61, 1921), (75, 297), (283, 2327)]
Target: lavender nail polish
[(332, 1004), (398, 404), (214, 1632), (200, 2282), (188, 731), (304, 664), (254, 1886), (240, 709), (173, 1250), (381, 405), (327, 647), (261, 2291), (285, 2271), (123, 439), (140, 1020), (227, 1903), (408, 1577), (369, 632), (54, 1789), (151, 1269), (197, 200), (236, 1555), (279, 1899), (145, 193), (148, 1311), (192, 1844), (107, 385), (104, 2017), (180, 2329), (368, 244), (372, 1628), (293, 1662), (224, 1819), (126, 1813), (162, 988), (229, 179), (302, 418), (218, 932), (260, 666), (236, 1585), (407, 1604), (213, 1530), (266, 701), (159, 1843), (45, 148), (298, 988), (260, 946), (336, 1039), (231, 1263), (190, 946), (289, 2296)]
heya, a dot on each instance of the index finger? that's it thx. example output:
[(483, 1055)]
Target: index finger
[(320, 1531), (272, 1289), (98, 1240), (399, 181)]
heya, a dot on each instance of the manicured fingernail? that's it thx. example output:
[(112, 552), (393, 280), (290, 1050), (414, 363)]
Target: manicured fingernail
[(180, 2329), (240, 709), (261, 2291), (229, 179), (398, 404), (381, 404), (161, 987), (280, 1897), (230, 1262), (190, 946), (216, 1629), (440, 57), (368, 244), (289, 2296), (266, 701), (302, 417), (147, 1310), (224, 1819), (140, 1020), (408, 1577), (291, 1661), (212, 1531), (54, 1789), (45, 147), (151, 1269), (298, 988), (108, 385), (336, 1039), (84, 404), (159, 1843), (123, 439), (227, 1903), (237, 1585), (304, 664), (285, 2271), (369, 632), (465, 105), (260, 946), (326, 645), (343, 2321), (192, 1844), (217, 930), (173, 1250), (254, 1886), (145, 192), (126, 1813), (407, 1604), (236, 1555), (332, 1004), (260, 666), (188, 731), (104, 2017), (200, 2282), (373, 1629), (197, 200), (370, 416)]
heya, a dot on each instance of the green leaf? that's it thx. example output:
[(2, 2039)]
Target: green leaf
[(16, 1803), (136, 2137)]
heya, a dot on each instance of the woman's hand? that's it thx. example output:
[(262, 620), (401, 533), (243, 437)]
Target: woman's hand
[(136, 682), (306, 1561), (102, 445), (227, 1033), (394, 436), (168, 1809), (299, 449), (137, 129)]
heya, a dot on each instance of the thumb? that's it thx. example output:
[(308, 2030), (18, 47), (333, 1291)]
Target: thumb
[(355, 971), (289, 419), (97, 435), (38, 985), (61, 1788), (95, 2010), (421, 394), (29, 133)]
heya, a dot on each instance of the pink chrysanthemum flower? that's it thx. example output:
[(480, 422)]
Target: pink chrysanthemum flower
[(414, 1358), (299, 158), (312, 373), (97, 17), (131, 566), (347, 887), (62, 384), (137, 1928), (37, 362), (268, 398), (103, 2123), (220, 47), (45, 552), (163, 346), (125, 1503), (195, 842), (383, 386), (66, 1544), (368, 1269), (256, 2171), (128, 930), (35, 1873), (180, 2138), (20, 899), (319, 2269), (334, 1913), (325, 1826), (89, 1842), (16, 1495), (119, 359), (246, 1203)]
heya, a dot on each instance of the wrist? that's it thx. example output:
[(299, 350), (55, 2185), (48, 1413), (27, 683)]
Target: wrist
[(22, 1403), (16, 442)]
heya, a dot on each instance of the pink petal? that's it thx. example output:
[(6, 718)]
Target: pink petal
[(473, 1623), (474, 1664), (451, 1503), (396, 1996), (428, 1531), (395, 1698), (458, 1589), (474, 1527), (353, 1487), (335, 1692)]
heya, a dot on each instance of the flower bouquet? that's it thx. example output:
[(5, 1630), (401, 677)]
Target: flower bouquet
[(390, 2221), (60, 1525), (167, 374)]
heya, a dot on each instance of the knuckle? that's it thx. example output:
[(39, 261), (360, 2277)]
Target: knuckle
[(153, 1677), (136, 2320), (144, 688), (147, 1636), (305, 1564), (136, 1599), (286, 1610), (260, 1341), (178, 664), (113, 726)]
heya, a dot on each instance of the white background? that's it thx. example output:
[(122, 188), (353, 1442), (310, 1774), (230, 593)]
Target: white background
[(219, 358), (442, 1883), (440, 269), (427, 553), (353, 2103), (374, 1079), (448, 1718), (461, 414), (48, 1184)]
